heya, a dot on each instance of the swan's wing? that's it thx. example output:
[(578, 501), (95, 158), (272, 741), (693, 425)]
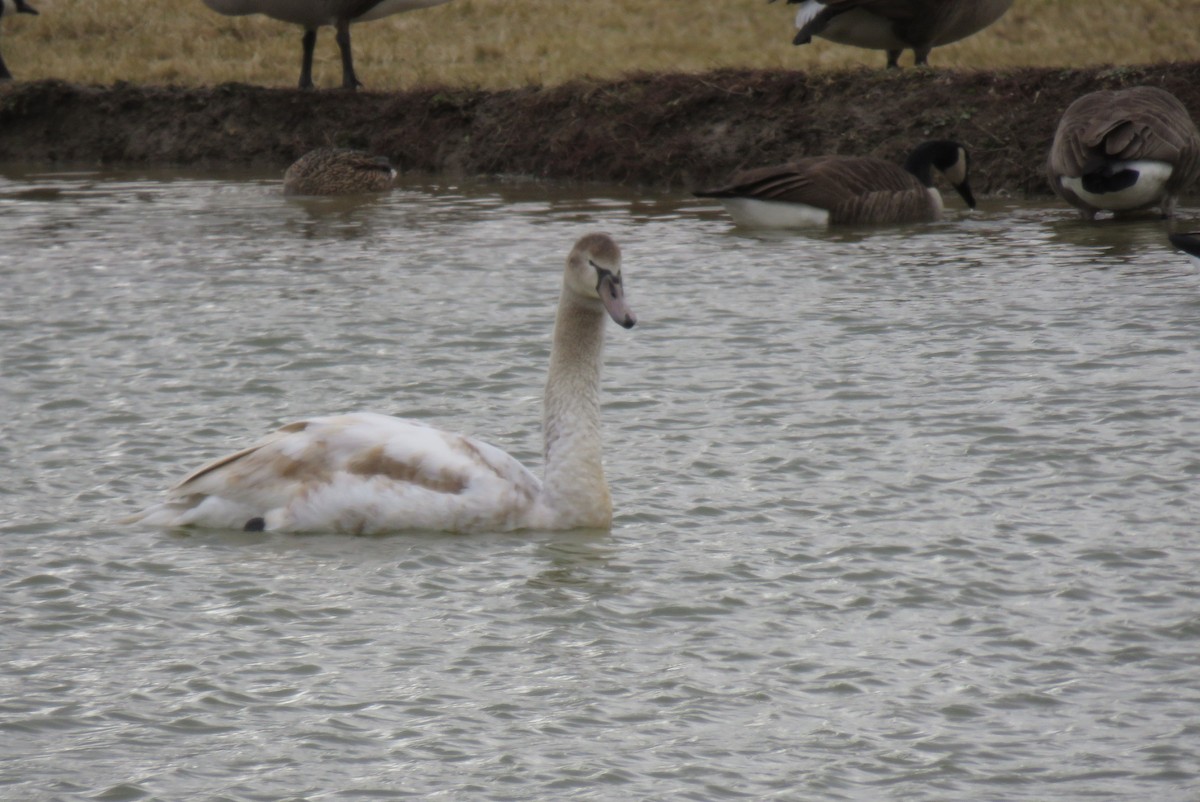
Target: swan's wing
[(357, 473)]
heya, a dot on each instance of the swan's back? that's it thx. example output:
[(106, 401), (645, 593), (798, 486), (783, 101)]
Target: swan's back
[(357, 473)]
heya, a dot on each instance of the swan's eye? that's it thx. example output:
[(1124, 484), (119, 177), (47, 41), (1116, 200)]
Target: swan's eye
[(614, 279)]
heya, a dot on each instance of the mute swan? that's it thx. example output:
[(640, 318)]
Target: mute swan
[(369, 473), (312, 14), (895, 25), (1123, 151), (821, 190), (12, 7), (336, 171)]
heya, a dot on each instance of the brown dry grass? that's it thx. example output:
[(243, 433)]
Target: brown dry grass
[(508, 43)]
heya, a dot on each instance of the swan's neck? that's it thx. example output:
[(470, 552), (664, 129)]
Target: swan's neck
[(574, 492)]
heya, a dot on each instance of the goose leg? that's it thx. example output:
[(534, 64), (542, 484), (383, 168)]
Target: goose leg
[(922, 56), (309, 42), (894, 59), (349, 79), (23, 8)]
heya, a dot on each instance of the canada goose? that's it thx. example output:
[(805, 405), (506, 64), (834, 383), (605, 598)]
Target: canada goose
[(822, 190), (12, 7), (337, 171), (312, 14), (1124, 150), (895, 25), (1189, 243), (366, 473)]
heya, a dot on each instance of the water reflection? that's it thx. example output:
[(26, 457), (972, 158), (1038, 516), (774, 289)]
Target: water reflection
[(337, 218), (861, 477), (578, 562), (1113, 238)]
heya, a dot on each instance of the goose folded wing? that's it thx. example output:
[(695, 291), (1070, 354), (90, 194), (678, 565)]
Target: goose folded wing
[(1142, 126), (821, 181)]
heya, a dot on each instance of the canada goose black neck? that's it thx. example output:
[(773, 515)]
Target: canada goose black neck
[(947, 156), (1188, 242), (940, 153)]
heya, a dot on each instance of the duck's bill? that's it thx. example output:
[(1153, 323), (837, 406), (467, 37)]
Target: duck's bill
[(612, 295)]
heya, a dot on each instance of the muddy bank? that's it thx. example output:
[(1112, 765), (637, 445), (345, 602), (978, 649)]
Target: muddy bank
[(663, 131)]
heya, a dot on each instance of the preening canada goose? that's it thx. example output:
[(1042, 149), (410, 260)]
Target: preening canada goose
[(12, 7), (895, 25), (823, 190), (312, 14), (1189, 243), (364, 473), (337, 171), (1123, 151)]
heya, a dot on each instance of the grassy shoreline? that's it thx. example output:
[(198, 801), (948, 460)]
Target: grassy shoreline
[(503, 44)]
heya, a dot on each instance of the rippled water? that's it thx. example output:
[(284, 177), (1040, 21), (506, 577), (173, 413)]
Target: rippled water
[(903, 514)]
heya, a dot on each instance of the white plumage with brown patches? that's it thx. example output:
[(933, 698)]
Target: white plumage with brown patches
[(367, 473)]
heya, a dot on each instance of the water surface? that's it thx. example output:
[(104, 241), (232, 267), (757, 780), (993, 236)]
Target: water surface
[(906, 513)]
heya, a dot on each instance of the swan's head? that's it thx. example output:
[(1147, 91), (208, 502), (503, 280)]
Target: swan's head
[(594, 272)]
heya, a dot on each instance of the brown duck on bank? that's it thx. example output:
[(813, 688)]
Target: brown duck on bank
[(1123, 151), (12, 7), (337, 171), (895, 25), (824, 190), (312, 14)]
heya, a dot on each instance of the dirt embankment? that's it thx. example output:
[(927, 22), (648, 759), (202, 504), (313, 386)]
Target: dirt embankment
[(664, 131)]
